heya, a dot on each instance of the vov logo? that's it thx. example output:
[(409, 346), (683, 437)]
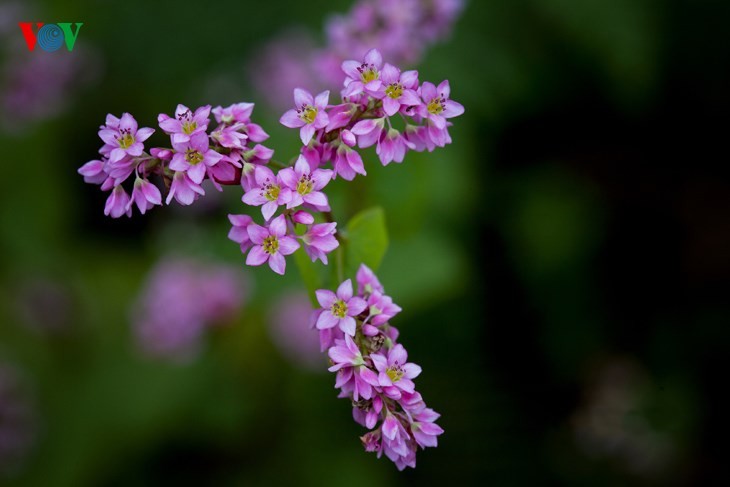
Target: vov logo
[(50, 37)]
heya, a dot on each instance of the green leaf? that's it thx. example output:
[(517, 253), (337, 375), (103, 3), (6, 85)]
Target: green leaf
[(367, 240)]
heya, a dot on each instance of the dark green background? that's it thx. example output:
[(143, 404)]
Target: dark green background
[(579, 220)]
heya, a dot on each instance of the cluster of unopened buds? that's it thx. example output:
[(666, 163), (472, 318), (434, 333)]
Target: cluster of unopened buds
[(375, 100), (373, 369)]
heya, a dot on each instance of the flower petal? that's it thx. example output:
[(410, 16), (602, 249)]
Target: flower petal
[(256, 256)]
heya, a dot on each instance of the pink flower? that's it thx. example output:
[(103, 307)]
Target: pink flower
[(302, 217), (193, 156), (381, 308), (424, 429), (367, 281), (125, 139), (258, 155), (309, 113), (399, 89), (291, 335), (238, 112), (117, 204), (395, 374), (145, 195), (183, 189), (437, 106), (305, 184), (367, 412), (364, 76), (397, 444), (271, 244), (368, 131), (93, 172), (319, 241), (185, 123), (230, 136), (348, 162), (340, 308), (352, 373), (180, 300), (239, 231), (121, 169), (340, 116), (393, 147), (270, 192)]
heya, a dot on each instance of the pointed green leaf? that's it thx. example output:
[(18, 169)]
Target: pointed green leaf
[(367, 240)]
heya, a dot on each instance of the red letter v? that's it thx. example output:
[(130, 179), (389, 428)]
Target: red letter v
[(30, 37)]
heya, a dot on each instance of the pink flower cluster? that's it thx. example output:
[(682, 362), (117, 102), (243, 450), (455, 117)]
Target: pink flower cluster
[(373, 93), (401, 29), (373, 369), (194, 155), (180, 300)]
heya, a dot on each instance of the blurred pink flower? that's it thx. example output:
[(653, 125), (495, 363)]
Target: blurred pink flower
[(291, 334)]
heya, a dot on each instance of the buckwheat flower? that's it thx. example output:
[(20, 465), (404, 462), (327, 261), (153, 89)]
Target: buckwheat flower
[(93, 172), (423, 428), (397, 443), (437, 106), (117, 204), (368, 131), (145, 195), (125, 139), (229, 136), (185, 123), (340, 116), (319, 241), (181, 299), (258, 155), (183, 189), (271, 244), (309, 113), (367, 281), (412, 403), (395, 373), (161, 154), (239, 231), (381, 308), (254, 132), (399, 89), (340, 308), (364, 76), (236, 113), (393, 147), (121, 169), (269, 193), (302, 217), (305, 184), (295, 340), (226, 171), (348, 162), (371, 441), (367, 412), (194, 156), (417, 135), (352, 373), (393, 450), (439, 137)]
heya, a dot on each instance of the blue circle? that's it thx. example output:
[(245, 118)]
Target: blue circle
[(50, 37)]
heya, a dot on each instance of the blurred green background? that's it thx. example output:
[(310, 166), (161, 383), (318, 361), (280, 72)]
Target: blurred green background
[(563, 265)]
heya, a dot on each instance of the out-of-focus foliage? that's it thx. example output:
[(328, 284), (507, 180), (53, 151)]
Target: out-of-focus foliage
[(562, 267)]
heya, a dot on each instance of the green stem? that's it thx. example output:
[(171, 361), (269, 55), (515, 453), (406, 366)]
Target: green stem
[(278, 164), (340, 263)]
